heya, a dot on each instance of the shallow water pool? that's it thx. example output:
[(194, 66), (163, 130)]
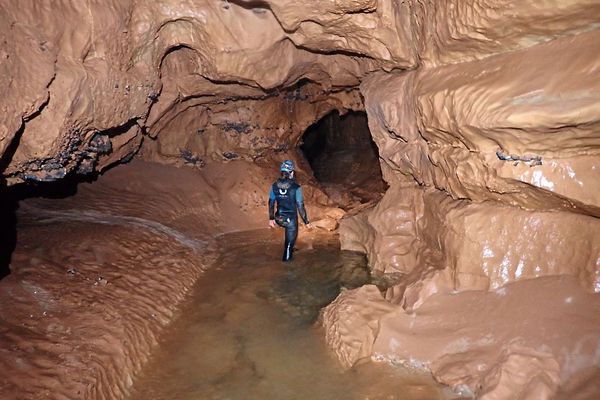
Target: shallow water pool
[(248, 331)]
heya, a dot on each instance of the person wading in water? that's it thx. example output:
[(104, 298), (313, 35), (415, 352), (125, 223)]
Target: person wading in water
[(288, 195)]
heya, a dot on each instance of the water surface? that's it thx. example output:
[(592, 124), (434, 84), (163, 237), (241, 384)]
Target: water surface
[(248, 332)]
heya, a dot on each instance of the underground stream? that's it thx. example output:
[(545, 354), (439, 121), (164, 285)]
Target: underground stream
[(455, 145), (248, 331)]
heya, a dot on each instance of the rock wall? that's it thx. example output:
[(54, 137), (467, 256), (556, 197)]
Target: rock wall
[(491, 345), (99, 276), (491, 150), (87, 80), (454, 31), (522, 134), (245, 129), (485, 113)]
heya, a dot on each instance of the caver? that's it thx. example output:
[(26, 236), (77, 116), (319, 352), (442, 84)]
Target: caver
[(287, 194)]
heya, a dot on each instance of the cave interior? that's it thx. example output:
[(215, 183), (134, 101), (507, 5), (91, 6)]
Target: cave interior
[(455, 145)]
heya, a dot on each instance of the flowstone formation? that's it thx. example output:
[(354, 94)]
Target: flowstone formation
[(486, 116), (489, 234)]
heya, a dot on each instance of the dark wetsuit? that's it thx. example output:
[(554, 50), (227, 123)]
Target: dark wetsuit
[(288, 196)]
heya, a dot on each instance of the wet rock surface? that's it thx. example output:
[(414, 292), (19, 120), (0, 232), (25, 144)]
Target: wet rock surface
[(503, 157), (79, 314), (433, 249), (533, 336), (136, 69), (484, 113)]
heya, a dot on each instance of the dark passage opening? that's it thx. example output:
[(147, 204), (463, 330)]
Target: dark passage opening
[(344, 158), (10, 198)]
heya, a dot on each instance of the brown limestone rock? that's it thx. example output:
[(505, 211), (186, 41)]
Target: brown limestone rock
[(26, 69), (101, 67), (387, 233), (375, 29), (503, 128), (94, 87), (522, 341), (351, 325), (438, 244), (246, 129), (454, 31)]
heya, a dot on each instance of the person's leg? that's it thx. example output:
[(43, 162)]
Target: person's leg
[(291, 233)]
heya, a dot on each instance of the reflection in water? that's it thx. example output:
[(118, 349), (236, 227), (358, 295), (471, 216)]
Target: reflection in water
[(248, 332)]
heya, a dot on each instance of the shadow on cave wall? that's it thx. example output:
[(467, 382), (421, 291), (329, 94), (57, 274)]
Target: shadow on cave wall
[(10, 197), (344, 158), (8, 228)]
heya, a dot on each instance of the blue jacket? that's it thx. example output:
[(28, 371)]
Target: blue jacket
[(288, 196)]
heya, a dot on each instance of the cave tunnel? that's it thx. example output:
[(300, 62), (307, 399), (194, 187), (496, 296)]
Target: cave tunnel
[(140, 142), (344, 158)]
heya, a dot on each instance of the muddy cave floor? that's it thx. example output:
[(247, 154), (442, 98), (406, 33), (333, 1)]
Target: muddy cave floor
[(98, 278)]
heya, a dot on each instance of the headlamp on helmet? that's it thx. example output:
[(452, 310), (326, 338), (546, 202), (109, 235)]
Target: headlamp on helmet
[(287, 166)]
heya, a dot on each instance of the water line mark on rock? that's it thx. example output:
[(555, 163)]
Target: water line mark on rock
[(51, 216)]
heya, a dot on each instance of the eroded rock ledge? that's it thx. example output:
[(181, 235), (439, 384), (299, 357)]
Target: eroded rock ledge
[(490, 149)]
